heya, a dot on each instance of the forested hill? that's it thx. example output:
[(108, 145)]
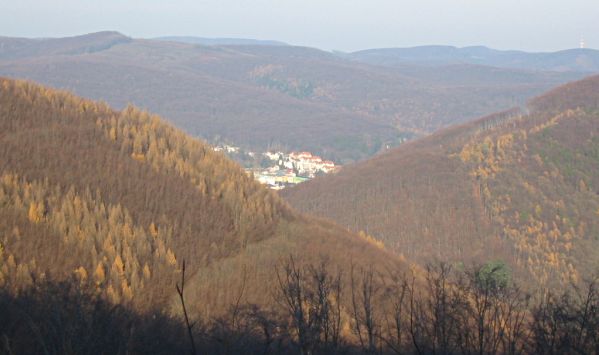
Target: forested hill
[(517, 186), (221, 41), (262, 97), (118, 199), (21, 48), (579, 59)]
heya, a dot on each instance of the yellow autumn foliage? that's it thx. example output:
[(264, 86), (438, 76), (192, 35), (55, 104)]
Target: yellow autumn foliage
[(371, 240), (81, 273), (170, 257), (36, 212), (99, 274)]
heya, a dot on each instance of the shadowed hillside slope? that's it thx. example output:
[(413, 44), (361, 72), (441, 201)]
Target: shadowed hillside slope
[(118, 199), (262, 96), (515, 186)]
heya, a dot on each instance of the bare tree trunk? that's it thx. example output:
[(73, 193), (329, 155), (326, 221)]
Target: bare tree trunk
[(190, 326)]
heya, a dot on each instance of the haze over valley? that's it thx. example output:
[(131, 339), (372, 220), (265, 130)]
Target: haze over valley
[(271, 96)]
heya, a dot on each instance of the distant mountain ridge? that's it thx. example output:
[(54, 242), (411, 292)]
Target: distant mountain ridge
[(262, 97), (19, 48), (221, 41), (581, 60)]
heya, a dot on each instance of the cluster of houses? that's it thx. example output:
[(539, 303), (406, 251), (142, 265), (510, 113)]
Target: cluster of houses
[(291, 169), (280, 169), (277, 178), (304, 163), (226, 148)]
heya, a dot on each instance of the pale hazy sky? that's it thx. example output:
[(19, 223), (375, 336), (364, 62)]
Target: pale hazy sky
[(533, 25)]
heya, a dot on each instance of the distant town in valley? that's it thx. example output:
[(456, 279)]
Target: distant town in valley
[(278, 169)]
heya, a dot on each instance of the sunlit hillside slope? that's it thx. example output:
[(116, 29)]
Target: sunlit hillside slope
[(518, 186), (118, 199)]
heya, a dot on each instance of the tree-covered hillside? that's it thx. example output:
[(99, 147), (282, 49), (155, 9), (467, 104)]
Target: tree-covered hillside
[(122, 198), (518, 186), (261, 97), (120, 234)]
